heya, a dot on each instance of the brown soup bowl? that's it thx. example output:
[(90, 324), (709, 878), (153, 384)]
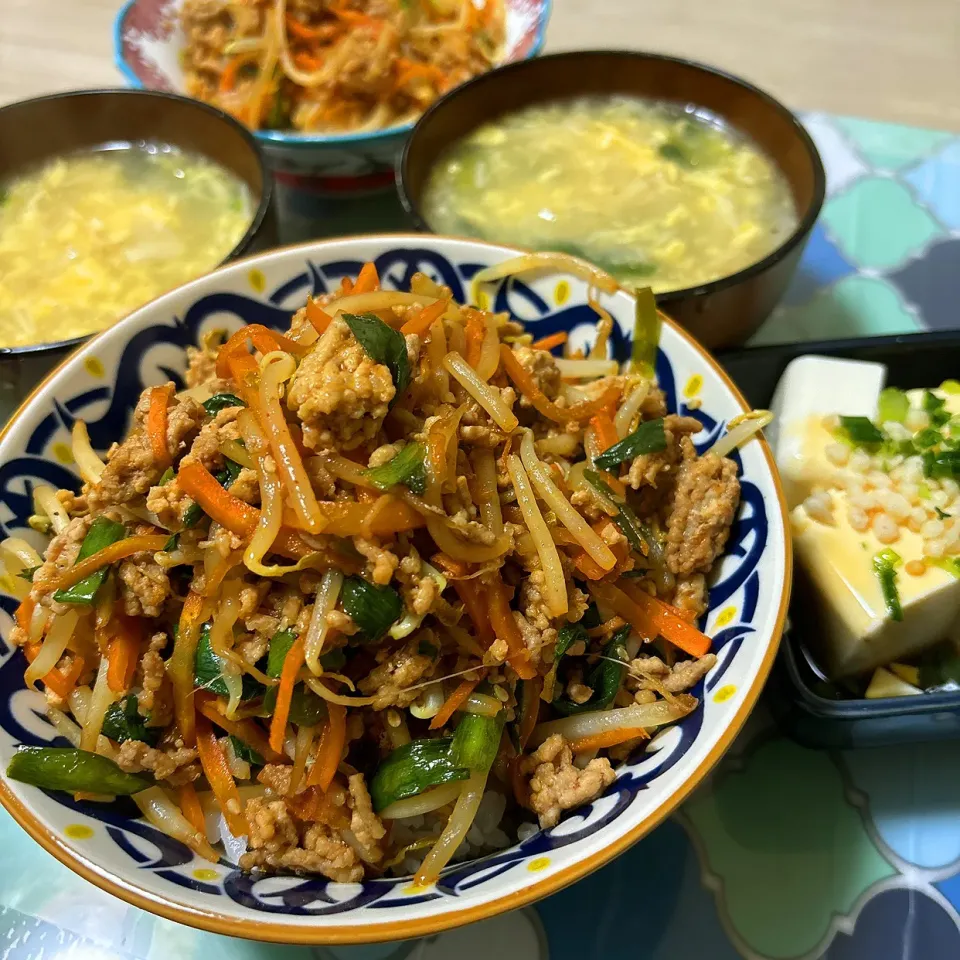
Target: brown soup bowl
[(721, 313)]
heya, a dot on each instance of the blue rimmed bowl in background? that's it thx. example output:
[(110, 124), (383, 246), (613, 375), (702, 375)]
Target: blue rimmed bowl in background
[(109, 845), (147, 45)]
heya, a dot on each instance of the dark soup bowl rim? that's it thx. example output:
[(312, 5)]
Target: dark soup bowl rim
[(805, 220), (216, 115)]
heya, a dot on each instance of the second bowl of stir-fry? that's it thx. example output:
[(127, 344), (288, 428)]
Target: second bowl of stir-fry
[(357, 601)]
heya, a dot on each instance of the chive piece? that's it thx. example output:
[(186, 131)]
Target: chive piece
[(28, 574), (406, 468), (860, 431), (894, 405), (72, 771), (102, 534), (172, 543), (383, 345), (934, 407), (374, 609), (209, 670), (412, 769), (166, 477), (220, 401), (646, 333), (942, 465), (476, 741), (306, 708), (927, 438), (604, 678), (942, 514), (244, 752), (885, 565), (123, 722), (950, 386), (649, 437), (624, 518), (950, 564)]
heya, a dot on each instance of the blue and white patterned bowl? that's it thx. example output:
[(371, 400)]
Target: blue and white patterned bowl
[(101, 383)]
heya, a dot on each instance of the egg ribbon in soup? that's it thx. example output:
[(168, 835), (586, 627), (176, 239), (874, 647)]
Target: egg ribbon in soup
[(86, 238), (657, 195)]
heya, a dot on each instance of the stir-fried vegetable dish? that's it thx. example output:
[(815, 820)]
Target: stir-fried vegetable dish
[(376, 592), (335, 66)]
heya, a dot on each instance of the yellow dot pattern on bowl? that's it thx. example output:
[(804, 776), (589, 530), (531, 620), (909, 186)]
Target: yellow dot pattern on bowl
[(94, 366), (206, 874), (78, 831), (257, 280), (726, 616), (724, 693), (538, 864), (693, 387), (483, 300), (63, 453), (562, 294), (414, 888)]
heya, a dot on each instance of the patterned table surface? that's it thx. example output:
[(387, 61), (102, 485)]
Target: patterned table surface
[(785, 852)]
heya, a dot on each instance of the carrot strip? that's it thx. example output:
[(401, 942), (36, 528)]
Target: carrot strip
[(506, 629), (473, 596), (24, 613), (60, 683), (604, 430), (609, 738), (262, 339), (325, 31), (588, 566), (180, 669), (476, 331), (308, 62), (318, 317), (453, 703), (425, 319), (245, 730), (190, 805), (288, 679), (157, 425), (529, 709), (332, 741), (368, 280), (123, 653), (455, 568), (120, 550), (218, 775), (548, 343), (228, 78), (348, 519), (651, 617), (528, 387)]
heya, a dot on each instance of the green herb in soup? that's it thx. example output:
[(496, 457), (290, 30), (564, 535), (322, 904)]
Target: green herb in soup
[(658, 196), (86, 238)]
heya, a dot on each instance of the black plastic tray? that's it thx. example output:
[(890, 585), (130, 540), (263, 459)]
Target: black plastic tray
[(912, 360)]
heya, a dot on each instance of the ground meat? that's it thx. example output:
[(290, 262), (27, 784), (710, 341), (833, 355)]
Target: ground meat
[(690, 595), (176, 763), (397, 670), (61, 553), (556, 784), (476, 429), (253, 646), (131, 468), (676, 679), (701, 513), (169, 503), (541, 365), (144, 586), (278, 841), (381, 563), (201, 366), (339, 393), (366, 826), (649, 468), (534, 638), (150, 701), (246, 487)]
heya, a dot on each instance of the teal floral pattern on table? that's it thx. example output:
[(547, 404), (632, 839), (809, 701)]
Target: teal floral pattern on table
[(883, 257), (785, 853)]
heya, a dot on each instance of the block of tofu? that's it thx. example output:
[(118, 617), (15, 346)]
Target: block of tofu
[(810, 389), (855, 632)]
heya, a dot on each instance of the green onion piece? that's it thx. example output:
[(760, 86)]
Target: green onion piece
[(172, 543), (942, 514), (950, 564), (604, 678), (383, 345), (28, 574), (927, 438), (649, 437), (244, 752), (220, 401), (413, 768), (934, 406), (209, 668), (950, 386), (406, 468), (860, 431), (476, 741), (102, 534), (306, 708), (123, 722), (885, 565), (280, 644), (942, 465), (166, 477), (646, 333), (625, 518), (894, 405), (568, 635), (374, 609), (72, 771)]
